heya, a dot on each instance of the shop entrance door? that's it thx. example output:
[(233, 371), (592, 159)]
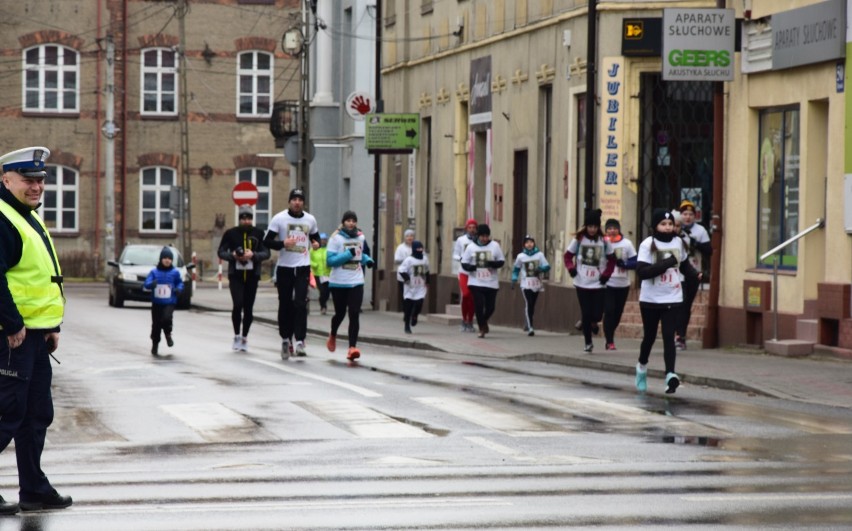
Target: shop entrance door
[(676, 162)]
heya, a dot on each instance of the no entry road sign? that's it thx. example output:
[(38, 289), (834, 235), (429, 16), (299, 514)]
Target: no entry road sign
[(245, 193)]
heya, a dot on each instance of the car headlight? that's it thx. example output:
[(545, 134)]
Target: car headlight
[(126, 276)]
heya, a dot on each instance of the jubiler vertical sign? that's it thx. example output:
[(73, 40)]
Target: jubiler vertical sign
[(611, 133), (698, 44)]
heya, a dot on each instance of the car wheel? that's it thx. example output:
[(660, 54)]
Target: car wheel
[(111, 299), (118, 299)]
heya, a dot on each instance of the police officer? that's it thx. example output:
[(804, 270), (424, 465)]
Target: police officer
[(31, 309), (242, 246)]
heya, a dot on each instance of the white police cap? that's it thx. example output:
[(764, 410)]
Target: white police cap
[(29, 162)]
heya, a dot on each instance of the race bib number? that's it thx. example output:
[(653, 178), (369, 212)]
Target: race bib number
[(296, 232), (418, 282), (355, 263), (483, 274), (163, 291), (671, 278), (244, 266), (532, 283)]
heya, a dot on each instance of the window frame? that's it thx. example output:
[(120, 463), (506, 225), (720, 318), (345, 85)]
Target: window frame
[(158, 188), (789, 256), (42, 69), (60, 188), (255, 74), (262, 191), (159, 71)]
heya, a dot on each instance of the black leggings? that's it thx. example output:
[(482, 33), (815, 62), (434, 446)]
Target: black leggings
[(690, 290), (530, 297), (161, 320), (591, 309), (614, 301), (652, 316), (347, 299), (292, 283), (411, 309), (484, 300), (323, 293), (243, 286)]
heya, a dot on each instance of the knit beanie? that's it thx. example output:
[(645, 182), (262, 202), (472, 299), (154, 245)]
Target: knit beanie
[(417, 249), (659, 215), (686, 204), (470, 222), (612, 222), (166, 253), (483, 230), (349, 215), (593, 217)]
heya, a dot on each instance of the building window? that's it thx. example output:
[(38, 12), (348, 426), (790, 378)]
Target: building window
[(254, 84), (59, 204), (156, 186), (778, 183), (51, 74), (159, 82), (262, 178)]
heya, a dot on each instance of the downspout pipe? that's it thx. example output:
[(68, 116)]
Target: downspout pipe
[(377, 159), (711, 330), (98, 120), (591, 105)]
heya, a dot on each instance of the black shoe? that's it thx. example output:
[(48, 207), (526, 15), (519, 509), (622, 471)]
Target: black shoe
[(169, 341), (154, 349), (407, 329), (8, 507), (47, 501)]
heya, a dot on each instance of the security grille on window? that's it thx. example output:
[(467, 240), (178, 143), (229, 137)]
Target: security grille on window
[(254, 84), (778, 184), (51, 74), (156, 186), (159, 82), (59, 204), (261, 178)]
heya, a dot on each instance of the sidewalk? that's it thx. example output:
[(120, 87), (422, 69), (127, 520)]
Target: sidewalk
[(816, 380)]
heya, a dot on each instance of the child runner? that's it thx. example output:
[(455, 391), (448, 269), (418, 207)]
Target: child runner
[(529, 265), (466, 298), (661, 261), (590, 262), (698, 249), (165, 283), (618, 287), (482, 260), (414, 274), (321, 271), (347, 259)]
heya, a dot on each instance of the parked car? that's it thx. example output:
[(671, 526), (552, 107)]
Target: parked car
[(126, 276)]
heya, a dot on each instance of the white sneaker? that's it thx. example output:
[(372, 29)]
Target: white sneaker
[(300, 349), (236, 344), (285, 350), (243, 344)]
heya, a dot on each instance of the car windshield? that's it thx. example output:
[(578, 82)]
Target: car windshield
[(149, 256)]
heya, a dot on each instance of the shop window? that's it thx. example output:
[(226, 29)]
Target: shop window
[(778, 184)]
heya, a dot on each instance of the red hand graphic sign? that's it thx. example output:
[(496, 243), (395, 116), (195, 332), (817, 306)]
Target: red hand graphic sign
[(359, 105)]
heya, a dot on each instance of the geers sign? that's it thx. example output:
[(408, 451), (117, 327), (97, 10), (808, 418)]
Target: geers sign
[(698, 44)]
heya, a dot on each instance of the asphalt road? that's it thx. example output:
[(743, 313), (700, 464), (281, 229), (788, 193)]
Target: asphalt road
[(214, 439)]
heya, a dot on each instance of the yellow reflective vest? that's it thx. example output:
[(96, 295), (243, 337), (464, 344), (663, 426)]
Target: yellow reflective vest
[(39, 300)]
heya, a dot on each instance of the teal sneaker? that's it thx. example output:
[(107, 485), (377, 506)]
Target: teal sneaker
[(672, 382), (641, 378)]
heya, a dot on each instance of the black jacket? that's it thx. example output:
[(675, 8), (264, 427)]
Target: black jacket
[(236, 237)]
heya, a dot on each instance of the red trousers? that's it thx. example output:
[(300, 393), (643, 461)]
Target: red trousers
[(466, 300)]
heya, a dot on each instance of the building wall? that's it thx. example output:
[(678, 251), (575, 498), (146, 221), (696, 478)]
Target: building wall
[(216, 136)]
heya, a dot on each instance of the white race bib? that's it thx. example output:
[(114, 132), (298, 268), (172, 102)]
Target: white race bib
[(163, 291), (483, 274), (301, 244), (418, 282), (532, 283), (245, 266)]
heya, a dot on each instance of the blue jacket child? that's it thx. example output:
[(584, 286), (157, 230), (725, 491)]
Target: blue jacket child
[(165, 284)]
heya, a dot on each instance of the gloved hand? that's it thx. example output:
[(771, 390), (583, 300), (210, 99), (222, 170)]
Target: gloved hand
[(671, 261), (370, 264), (572, 272), (352, 251), (493, 264), (153, 283), (604, 279), (620, 263)]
